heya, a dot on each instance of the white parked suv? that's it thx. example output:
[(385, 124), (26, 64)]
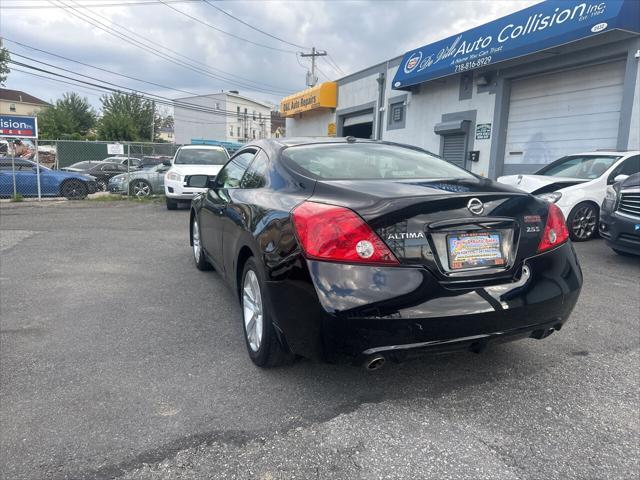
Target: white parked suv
[(577, 184), (191, 160)]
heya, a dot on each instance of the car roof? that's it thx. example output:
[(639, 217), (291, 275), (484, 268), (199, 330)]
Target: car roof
[(201, 147), (613, 153), (291, 141)]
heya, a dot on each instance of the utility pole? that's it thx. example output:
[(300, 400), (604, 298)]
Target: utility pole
[(311, 82), (153, 121)]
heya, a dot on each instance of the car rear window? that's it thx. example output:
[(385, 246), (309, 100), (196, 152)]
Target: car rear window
[(201, 156), (579, 166), (369, 161)]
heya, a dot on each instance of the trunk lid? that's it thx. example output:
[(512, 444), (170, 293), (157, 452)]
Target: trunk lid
[(421, 221)]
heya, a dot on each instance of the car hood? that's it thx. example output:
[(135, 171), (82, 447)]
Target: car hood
[(196, 169), (538, 184), (133, 174)]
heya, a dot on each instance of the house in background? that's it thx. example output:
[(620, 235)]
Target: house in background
[(277, 125), (166, 134), (16, 102), (225, 116)]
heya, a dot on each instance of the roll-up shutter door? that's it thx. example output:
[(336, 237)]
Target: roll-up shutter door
[(556, 114), (358, 119), (453, 149)]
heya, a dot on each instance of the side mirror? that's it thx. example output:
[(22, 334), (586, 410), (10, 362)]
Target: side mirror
[(166, 163), (198, 181), (620, 178)]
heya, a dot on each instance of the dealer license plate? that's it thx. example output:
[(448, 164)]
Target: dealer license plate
[(470, 250)]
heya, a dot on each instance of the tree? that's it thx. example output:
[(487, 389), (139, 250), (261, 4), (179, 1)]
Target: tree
[(126, 117), (70, 117), (4, 61)]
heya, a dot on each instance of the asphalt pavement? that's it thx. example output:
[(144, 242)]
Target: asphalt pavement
[(118, 359)]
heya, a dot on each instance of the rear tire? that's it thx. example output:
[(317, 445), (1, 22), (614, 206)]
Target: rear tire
[(198, 252), (171, 204), (140, 189), (263, 345), (582, 222), (74, 190)]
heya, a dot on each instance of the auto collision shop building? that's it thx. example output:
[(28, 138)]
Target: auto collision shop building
[(506, 97)]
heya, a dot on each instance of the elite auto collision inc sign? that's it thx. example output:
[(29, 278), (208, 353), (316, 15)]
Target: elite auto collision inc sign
[(540, 27), (20, 127)]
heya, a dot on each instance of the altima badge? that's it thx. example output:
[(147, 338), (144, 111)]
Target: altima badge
[(475, 206)]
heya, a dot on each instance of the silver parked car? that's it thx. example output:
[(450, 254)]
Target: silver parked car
[(140, 183)]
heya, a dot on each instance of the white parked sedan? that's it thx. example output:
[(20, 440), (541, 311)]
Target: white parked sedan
[(191, 160), (577, 184)]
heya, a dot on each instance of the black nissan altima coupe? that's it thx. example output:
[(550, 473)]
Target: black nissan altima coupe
[(345, 249)]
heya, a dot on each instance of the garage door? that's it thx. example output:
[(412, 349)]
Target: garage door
[(556, 114), (453, 148)]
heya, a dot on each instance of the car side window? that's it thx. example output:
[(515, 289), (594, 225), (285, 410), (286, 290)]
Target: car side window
[(107, 168), (254, 177), (231, 175), (628, 167), (121, 168)]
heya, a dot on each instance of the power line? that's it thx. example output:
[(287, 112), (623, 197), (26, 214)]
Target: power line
[(99, 5), (245, 83), (14, 69), (329, 59), (125, 90), (181, 55), (213, 27), (102, 26), (255, 28), (92, 66)]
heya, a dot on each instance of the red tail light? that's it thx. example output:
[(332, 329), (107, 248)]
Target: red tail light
[(555, 231), (329, 232)]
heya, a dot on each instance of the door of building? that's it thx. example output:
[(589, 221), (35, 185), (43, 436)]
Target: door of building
[(555, 114), (359, 125), (453, 148)]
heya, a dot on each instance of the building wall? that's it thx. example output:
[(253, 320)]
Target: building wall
[(634, 130), (26, 109), (310, 124), (261, 125), (191, 124), (459, 97), (435, 102)]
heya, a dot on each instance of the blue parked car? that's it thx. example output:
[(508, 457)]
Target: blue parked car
[(53, 183)]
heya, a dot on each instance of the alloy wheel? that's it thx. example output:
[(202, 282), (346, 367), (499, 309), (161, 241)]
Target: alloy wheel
[(102, 185), (196, 240), (141, 189), (252, 310), (583, 223)]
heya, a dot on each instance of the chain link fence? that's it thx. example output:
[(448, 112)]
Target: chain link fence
[(57, 168)]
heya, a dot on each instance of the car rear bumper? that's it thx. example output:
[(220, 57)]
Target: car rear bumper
[(621, 232), (348, 311)]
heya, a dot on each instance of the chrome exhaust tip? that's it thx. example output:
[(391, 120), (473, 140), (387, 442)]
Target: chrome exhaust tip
[(374, 362)]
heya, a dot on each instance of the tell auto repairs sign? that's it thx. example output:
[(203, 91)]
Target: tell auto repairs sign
[(19, 127)]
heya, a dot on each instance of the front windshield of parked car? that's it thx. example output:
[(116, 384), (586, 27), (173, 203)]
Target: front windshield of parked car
[(370, 161), (579, 166), (201, 156)]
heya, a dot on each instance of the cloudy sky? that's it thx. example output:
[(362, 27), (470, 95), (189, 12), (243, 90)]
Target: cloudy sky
[(181, 44)]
